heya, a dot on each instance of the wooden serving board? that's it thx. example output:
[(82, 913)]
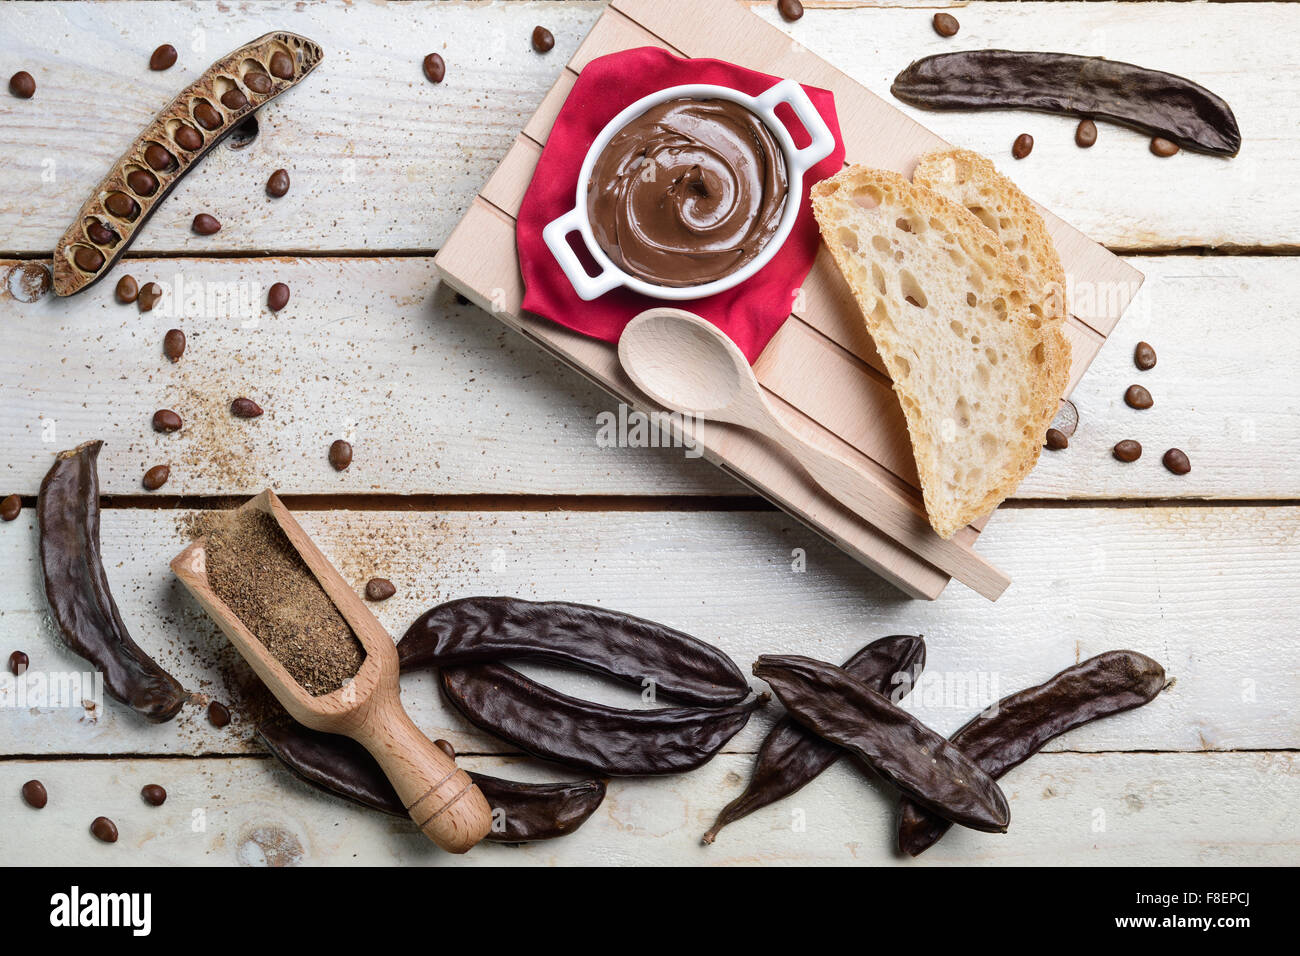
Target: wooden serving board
[(821, 369)]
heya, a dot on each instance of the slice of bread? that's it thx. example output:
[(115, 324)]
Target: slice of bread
[(949, 311), (970, 179)]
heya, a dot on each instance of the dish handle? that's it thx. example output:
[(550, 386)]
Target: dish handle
[(789, 91), (556, 236)]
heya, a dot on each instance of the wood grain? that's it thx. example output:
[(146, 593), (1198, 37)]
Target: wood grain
[(368, 122), (1195, 588)]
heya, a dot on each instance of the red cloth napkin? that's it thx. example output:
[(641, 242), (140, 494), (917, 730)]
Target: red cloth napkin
[(751, 312)]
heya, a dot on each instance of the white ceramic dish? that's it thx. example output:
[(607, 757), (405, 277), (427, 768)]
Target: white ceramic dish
[(797, 162)]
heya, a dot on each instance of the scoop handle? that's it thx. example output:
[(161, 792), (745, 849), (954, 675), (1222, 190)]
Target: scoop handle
[(440, 797)]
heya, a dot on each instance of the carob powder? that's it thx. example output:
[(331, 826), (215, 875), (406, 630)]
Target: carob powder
[(254, 569)]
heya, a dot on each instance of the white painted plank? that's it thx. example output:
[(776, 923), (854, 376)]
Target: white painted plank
[(1198, 589), (367, 125), (1066, 809), (442, 399)]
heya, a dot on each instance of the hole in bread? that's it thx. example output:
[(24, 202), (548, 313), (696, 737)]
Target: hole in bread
[(1039, 354), (912, 290), (958, 329), (1004, 224), (878, 279), (1000, 307), (974, 475), (961, 409), (1016, 299), (936, 225), (985, 217), (992, 355), (971, 300), (989, 251), (983, 374), (848, 239), (869, 198), (974, 340), (902, 366), (902, 224), (880, 243)]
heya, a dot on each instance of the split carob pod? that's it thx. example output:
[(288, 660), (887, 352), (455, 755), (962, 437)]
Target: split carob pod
[(792, 756), (521, 812), (173, 143), (1154, 102), (842, 709), (67, 512), (586, 735), (1017, 727), (481, 629)]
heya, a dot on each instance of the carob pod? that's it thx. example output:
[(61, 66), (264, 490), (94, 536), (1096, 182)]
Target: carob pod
[(792, 756), (76, 587), (180, 135), (1157, 103), (586, 735), (842, 709), (481, 629), (522, 812), (1017, 727)]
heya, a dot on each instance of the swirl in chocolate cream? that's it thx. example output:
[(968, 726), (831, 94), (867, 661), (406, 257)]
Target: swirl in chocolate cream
[(688, 192)]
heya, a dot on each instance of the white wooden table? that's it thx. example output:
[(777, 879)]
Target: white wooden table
[(477, 468)]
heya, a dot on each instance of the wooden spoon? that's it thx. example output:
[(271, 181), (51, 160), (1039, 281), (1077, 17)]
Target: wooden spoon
[(688, 364), (440, 797)]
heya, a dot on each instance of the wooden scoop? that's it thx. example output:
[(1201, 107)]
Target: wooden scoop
[(688, 364), (440, 797)]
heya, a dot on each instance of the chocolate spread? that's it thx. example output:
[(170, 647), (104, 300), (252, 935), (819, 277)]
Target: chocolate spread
[(688, 192)]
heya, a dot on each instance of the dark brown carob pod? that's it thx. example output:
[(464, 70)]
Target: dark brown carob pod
[(1092, 87), (842, 709), (792, 756), (1018, 726), (589, 736), (477, 630), (76, 587), (522, 812)]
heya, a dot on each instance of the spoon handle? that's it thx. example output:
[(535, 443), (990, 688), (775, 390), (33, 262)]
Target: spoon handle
[(881, 506)]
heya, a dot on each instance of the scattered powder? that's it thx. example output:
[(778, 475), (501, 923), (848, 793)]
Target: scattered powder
[(254, 569)]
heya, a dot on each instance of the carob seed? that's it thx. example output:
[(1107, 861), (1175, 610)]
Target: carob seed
[(100, 233), (22, 85), (1144, 356), (277, 297), (207, 116), (18, 663), (435, 69), (149, 295), (206, 225), (127, 291), (153, 794), (166, 420), (234, 100), (543, 40), (1057, 439), (446, 747), (1085, 134), (157, 157), (281, 65), (104, 830), (259, 83), (188, 138), (1127, 450), (163, 58), (218, 714), (174, 344), (1138, 397), (1023, 146), (156, 477), (946, 25), (1162, 147), (245, 408), (10, 507), (278, 184), (35, 795), (340, 454), (380, 589), (88, 258), (790, 10), (121, 205), (1176, 460)]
